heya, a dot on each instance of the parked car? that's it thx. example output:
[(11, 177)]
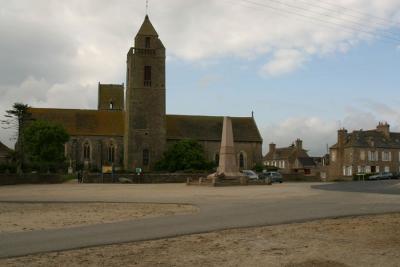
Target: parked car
[(396, 175), (381, 176), (250, 174), (275, 177)]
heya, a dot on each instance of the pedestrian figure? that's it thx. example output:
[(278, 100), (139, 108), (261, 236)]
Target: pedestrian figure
[(79, 176)]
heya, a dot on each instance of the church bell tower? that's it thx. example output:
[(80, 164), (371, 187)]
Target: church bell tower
[(145, 124)]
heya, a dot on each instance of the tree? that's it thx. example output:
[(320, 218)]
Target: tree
[(44, 143), (258, 167), (184, 155), (16, 119)]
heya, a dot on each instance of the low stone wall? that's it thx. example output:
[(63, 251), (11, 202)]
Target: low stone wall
[(300, 178), (31, 178), (148, 178)]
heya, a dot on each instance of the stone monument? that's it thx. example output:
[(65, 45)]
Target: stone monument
[(227, 169)]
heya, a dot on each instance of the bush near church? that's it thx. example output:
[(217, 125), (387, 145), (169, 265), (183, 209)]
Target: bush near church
[(185, 155), (258, 167), (44, 142)]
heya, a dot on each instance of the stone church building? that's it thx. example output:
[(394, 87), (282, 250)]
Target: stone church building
[(133, 130)]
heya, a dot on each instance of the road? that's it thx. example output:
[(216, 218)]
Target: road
[(220, 208)]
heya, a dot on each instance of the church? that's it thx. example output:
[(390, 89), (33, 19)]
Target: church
[(130, 128)]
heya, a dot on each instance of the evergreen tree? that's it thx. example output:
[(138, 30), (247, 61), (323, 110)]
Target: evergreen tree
[(15, 119)]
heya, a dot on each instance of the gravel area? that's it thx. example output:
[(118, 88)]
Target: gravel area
[(354, 241), (17, 217)]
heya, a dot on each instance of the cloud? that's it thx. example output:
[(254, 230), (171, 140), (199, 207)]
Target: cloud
[(284, 61), (317, 132), (53, 51), (314, 131), (87, 41), (207, 80), (41, 93)]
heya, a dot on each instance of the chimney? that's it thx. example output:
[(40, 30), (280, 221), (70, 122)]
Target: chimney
[(272, 147), (299, 144), (384, 127), (342, 136)]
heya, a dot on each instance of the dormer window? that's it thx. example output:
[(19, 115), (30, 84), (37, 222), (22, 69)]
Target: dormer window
[(147, 42)]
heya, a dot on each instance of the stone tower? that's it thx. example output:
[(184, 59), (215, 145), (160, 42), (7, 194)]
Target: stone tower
[(145, 124)]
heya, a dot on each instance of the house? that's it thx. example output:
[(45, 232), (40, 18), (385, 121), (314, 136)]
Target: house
[(290, 160), (370, 151)]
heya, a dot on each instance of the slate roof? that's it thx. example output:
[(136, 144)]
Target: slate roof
[(285, 153), (111, 123), (371, 138), (209, 128), (83, 122), (147, 28), (306, 161), (4, 150)]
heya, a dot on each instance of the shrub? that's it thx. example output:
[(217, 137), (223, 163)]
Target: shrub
[(44, 143), (185, 155), (8, 168), (258, 167), (271, 168)]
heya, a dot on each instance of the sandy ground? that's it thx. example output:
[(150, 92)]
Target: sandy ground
[(160, 193), (16, 217), (356, 241)]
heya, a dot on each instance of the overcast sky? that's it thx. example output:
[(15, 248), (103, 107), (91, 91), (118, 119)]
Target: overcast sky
[(305, 67)]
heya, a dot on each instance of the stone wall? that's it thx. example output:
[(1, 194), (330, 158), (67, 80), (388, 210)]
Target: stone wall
[(111, 97), (13, 179), (147, 178), (351, 157), (301, 178), (99, 146)]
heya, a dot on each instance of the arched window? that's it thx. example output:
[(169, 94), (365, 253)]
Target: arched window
[(111, 105), (216, 158), (146, 157), (86, 151), (111, 153), (241, 160)]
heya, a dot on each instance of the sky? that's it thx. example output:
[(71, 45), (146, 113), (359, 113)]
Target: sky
[(305, 67)]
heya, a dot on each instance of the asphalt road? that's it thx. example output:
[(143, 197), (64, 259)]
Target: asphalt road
[(220, 208)]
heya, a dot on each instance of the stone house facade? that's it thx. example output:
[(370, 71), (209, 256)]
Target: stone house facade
[(290, 160), (370, 151), (133, 130)]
